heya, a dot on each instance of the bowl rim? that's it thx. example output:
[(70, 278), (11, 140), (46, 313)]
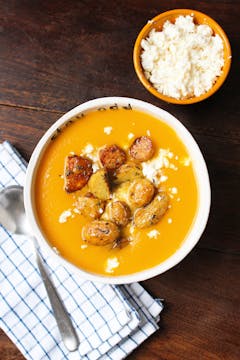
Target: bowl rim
[(147, 84), (201, 174)]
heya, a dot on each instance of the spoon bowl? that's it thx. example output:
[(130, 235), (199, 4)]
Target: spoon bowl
[(12, 209), (13, 218)]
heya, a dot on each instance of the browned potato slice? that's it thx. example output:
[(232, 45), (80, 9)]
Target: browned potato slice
[(100, 232), (140, 193), (142, 149), (112, 157), (118, 212), (153, 212), (99, 185), (127, 172), (77, 172), (121, 192), (90, 206)]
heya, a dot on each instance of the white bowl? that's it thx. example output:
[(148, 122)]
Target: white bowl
[(200, 170)]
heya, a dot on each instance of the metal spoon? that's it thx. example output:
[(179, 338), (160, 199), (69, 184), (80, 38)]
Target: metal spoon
[(13, 218)]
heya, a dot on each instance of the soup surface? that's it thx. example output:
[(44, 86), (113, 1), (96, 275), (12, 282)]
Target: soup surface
[(171, 166)]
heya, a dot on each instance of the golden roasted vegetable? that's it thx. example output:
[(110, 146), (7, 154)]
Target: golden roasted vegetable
[(121, 192), (99, 185), (127, 172), (100, 232), (140, 193), (112, 157), (142, 149), (118, 212), (90, 206), (153, 212), (77, 172)]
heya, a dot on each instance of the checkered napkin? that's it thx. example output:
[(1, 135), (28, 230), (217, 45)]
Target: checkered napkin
[(111, 321)]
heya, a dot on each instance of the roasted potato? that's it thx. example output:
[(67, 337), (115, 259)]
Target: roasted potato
[(140, 193), (142, 149), (99, 185), (153, 212), (100, 232), (112, 157), (118, 212), (121, 192), (127, 172), (77, 172), (90, 206)]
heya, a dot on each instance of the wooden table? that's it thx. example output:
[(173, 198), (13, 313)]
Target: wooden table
[(57, 54)]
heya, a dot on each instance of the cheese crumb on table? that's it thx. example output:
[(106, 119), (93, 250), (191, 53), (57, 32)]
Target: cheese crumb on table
[(184, 59)]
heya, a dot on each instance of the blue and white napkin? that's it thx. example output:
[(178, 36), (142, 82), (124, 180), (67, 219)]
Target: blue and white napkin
[(111, 321)]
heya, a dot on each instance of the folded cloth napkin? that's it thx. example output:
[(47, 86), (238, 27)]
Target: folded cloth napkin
[(111, 321)]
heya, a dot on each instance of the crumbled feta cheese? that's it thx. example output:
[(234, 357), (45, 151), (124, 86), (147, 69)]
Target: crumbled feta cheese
[(64, 216), (186, 161), (107, 130), (76, 210), (153, 234), (95, 167), (173, 190), (166, 162), (88, 149), (84, 246), (163, 178), (184, 59), (152, 168), (130, 136), (91, 153), (173, 167), (111, 264)]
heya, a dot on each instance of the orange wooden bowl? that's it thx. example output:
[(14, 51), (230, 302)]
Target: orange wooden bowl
[(157, 23)]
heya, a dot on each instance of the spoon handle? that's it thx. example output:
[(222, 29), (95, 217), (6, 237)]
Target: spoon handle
[(64, 323)]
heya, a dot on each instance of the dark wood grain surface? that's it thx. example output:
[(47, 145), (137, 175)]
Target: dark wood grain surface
[(57, 54)]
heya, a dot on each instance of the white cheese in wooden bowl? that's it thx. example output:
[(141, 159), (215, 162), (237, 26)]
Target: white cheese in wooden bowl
[(184, 59)]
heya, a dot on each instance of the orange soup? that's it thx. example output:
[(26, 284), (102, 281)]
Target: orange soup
[(170, 169)]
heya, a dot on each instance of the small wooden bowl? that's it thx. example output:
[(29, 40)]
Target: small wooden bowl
[(157, 23)]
